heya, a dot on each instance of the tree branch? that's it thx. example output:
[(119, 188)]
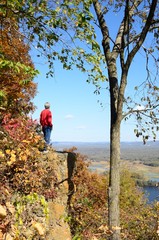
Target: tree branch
[(120, 42), (142, 111), (143, 34), (104, 29)]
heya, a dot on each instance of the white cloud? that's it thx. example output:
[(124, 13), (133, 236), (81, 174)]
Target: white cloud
[(69, 116), (139, 107)]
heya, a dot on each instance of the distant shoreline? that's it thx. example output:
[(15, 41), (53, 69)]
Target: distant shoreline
[(135, 156)]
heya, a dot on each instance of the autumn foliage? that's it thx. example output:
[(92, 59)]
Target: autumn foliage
[(21, 169), (16, 72)]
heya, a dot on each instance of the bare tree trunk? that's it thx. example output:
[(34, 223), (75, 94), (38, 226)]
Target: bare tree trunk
[(114, 175), (114, 183)]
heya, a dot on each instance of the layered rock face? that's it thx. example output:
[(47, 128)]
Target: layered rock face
[(59, 229)]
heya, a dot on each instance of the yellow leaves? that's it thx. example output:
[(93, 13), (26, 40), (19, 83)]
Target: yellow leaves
[(25, 141), (12, 159), (23, 157), (24, 151), (32, 140), (8, 151), (27, 152), (1, 154), (20, 154), (37, 138), (12, 156), (18, 150), (103, 228)]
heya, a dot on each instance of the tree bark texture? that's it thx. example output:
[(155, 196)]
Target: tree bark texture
[(114, 183), (114, 174)]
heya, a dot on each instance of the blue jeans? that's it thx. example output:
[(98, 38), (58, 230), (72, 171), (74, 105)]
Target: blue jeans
[(47, 133)]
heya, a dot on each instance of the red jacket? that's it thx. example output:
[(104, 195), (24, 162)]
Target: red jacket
[(46, 118)]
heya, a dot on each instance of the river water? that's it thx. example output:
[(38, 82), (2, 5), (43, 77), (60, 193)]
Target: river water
[(151, 193)]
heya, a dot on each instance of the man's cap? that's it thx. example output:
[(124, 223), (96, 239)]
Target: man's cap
[(47, 105)]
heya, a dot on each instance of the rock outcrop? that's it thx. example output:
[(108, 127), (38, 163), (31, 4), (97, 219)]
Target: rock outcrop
[(34, 217), (59, 229)]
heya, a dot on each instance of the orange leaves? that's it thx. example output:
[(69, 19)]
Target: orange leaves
[(16, 72)]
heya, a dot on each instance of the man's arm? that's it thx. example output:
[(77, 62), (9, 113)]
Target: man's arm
[(50, 119)]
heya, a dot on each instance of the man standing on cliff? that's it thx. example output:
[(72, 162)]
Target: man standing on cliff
[(46, 122)]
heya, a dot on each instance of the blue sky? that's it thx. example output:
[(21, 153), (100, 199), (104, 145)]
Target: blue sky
[(77, 114)]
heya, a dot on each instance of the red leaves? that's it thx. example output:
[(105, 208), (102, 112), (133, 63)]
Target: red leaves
[(19, 128)]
